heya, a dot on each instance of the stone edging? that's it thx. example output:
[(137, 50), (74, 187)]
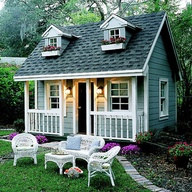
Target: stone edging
[(137, 177)]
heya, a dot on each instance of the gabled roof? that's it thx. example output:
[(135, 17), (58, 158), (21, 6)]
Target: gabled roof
[(123, 22), (84, 58)]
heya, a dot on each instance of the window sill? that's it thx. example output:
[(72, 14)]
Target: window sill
[(51, 53), (113, 46)]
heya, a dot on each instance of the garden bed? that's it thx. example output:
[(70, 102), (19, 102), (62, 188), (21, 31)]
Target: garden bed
[(162, 172)]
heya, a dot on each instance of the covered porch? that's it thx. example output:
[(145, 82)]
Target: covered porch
[(98, 118)]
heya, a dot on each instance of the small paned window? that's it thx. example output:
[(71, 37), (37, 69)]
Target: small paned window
[(163, 89), (114, 33), (54, 97), (53, 42), (119, 96)]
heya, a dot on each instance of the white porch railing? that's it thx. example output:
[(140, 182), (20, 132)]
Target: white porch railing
[(43, 121), (115, 125)]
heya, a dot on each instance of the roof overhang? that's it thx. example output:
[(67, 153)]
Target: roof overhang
[(107, 74)]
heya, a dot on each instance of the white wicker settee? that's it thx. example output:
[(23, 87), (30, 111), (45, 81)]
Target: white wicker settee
[(24, 145), (83, 148)]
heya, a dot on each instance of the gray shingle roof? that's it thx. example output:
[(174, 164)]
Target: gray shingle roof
[(84, 55)]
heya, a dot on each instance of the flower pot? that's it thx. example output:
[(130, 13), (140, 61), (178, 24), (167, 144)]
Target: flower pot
[(181, 161)]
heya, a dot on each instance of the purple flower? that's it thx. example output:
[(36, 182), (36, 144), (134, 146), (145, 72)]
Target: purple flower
[(41, 139), (108, 146), (12, 135), (130, 149)]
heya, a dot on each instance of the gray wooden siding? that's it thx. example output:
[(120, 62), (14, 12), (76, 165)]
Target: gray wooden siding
[(140, 94), (159, 67), (68, 119), (40, 95)]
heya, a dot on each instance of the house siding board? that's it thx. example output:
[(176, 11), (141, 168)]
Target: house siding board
[(159, 67), (40, 95), (68, 119), (140, 94)]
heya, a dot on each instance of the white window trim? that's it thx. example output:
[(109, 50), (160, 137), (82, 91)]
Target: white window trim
[(53, 38), (110, 101), (114, 30), (47, 95), (164, 116)]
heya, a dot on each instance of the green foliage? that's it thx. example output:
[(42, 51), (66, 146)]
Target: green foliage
[(180, 149), (142, 137), (84, 17), (29, 177), (19, 125), (11, 95), (5, 132)]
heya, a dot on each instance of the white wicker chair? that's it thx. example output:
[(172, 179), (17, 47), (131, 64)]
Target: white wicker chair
[(24, 145), (102, 162)]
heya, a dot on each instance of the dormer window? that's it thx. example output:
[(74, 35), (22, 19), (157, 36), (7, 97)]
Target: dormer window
[(114, 34), (53, 42)]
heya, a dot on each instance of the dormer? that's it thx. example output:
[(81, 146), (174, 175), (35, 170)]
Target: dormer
[(117, 33), (56, 40)]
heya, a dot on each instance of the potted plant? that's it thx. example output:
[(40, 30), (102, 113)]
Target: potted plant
[(73, 172), (181, 151), (113, 43), (51, 51), (142, 138)]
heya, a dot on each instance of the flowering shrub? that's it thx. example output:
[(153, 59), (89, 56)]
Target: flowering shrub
[(130, 149), (180, 149), (12, 135), (142, 137), (108, 146), (41, 139), (114, 40), (51, 48)]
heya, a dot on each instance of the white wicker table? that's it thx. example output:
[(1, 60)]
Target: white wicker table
[(60, 160)]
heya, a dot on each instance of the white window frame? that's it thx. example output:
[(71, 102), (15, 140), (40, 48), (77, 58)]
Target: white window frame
[(49, 96), (114, 33), (165, 112), (54, 43), (119, 96)]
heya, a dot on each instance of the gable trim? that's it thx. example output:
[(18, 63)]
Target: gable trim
[(154, 43), (123, 21), (126, 73)]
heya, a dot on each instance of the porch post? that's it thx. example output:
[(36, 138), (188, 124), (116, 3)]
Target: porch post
[(26, 95), (146, 103), (88, 107), (134, 106), (61, 119), (36, 106)]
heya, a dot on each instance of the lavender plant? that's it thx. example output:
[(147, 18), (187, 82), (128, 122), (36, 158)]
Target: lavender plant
[(130, 149), (12, 135), (41, 139), (108, 146)]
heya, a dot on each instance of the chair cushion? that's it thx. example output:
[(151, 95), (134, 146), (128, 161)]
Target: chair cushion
[(73, 142), (95, 143)]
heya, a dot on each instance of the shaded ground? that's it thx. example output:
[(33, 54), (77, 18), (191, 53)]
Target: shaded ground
[(161, 172)]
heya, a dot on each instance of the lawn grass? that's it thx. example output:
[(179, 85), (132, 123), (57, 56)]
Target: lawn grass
[(6, 132), (5, 148), (34, 178)]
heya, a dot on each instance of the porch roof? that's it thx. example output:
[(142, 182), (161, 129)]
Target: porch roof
[(84, 55)]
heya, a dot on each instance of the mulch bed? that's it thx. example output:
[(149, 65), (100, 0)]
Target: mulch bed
[(162, 172)]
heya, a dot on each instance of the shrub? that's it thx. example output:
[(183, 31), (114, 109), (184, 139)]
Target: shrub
[(12, 135), (41, 139), (142, 137), (108, 146), (19, 125), (130, 149)]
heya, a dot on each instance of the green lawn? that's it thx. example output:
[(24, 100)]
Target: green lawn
[(29, 177), (5, 148), (6, 132)]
